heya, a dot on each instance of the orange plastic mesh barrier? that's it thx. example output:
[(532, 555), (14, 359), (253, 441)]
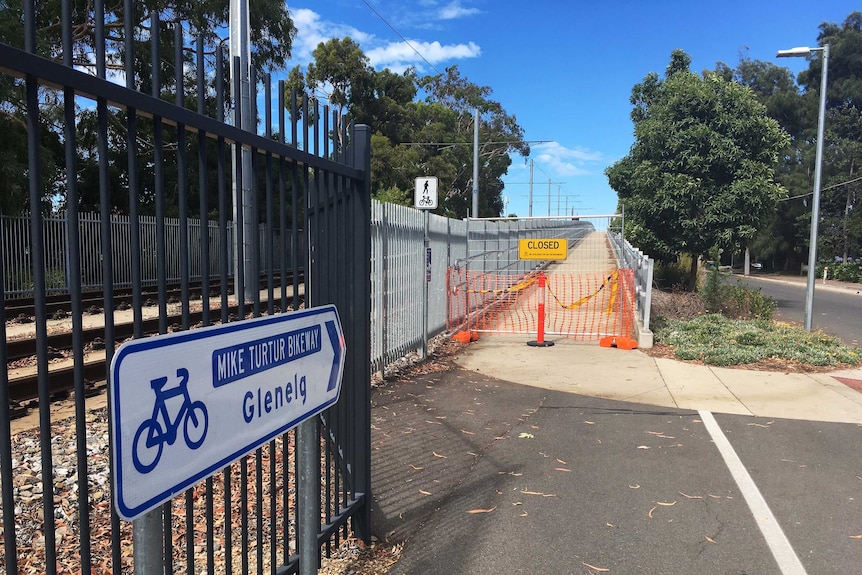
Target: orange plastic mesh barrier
[(583, 306)]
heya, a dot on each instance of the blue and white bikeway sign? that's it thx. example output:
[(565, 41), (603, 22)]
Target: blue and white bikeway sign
[(185, 405)]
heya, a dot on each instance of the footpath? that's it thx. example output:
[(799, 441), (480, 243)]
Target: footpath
[(582, 459)]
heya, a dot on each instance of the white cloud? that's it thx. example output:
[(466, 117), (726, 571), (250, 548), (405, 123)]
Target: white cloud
[(454, 10), (560, 161), (311, 31), (397, 56)]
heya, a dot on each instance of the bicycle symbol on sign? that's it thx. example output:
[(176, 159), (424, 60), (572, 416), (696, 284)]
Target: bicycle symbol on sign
[(425, 201), (151, 436)]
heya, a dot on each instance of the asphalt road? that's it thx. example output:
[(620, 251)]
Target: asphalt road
[(581, 485), (835, 312)]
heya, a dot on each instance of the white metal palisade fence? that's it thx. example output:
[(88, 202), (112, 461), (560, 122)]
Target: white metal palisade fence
[(398, 271), (632, 258), (398, 267)]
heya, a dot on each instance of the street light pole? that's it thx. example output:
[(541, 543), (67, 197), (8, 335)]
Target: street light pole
[(818, 171)]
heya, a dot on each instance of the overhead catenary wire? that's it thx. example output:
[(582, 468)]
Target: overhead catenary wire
[(406, 41)]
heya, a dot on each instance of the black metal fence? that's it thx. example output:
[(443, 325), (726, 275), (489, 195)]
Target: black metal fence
[(310, 171)]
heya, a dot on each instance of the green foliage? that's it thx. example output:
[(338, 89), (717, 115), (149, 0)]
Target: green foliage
[(845, 272), (735, 301), (784, 239), (716, 340), (272, 33), (672, 275), (700, 174), (712, 292), (420, 137)]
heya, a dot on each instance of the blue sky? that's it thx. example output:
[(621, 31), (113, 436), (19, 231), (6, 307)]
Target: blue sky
[(564, 69)]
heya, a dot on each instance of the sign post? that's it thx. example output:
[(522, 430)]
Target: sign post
[(425, 198), (185, 405)]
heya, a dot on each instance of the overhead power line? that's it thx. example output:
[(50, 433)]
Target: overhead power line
[(826, 189), (406, 41), (471, 143)]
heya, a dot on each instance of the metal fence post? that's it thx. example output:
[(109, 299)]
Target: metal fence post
[(361, 145)]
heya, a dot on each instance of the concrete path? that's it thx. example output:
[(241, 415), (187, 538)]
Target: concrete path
[(588, 369)]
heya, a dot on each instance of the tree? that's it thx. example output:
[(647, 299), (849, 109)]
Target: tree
[(272, 33), (780, 242), (701, 173), (843, 142), (432, 136)]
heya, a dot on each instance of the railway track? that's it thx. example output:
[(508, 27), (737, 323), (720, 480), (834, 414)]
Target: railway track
[(23, 372)]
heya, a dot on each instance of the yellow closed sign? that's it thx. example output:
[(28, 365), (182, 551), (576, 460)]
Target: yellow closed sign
[(543, 249)]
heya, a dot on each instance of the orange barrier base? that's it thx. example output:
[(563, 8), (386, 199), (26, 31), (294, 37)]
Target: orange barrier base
[(618, 342), (466, 336)]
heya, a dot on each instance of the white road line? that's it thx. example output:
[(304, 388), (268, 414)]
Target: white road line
[(785, 556)]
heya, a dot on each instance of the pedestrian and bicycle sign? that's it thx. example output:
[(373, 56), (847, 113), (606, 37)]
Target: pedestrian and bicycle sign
[(185, 405), (425, 193)]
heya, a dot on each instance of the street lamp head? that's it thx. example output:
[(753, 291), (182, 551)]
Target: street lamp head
[(800, 51)]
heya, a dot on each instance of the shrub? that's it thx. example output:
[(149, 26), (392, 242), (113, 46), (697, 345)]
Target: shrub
[(672, 275), (735, 301), (717, 340), (845, 271)]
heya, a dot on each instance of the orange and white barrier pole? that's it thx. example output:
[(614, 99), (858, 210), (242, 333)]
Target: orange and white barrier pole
[(540, 339)]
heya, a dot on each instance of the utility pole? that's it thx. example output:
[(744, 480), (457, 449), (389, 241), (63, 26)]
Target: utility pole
[(242, 198), (531, 188), (476, 163)]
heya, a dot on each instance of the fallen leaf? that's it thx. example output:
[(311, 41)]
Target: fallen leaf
[(438, 455), (856, 537), (524, 435), (562, 469), (524, 514), (525, 492), (635, 486), (655, 432), (475, 511), (665, 503), (690, 496), (650, 512), (643, 447), (594, 568), (590, 422), (424, 492), (560, 461), (708, 539), (414, 468), (467, 432)]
